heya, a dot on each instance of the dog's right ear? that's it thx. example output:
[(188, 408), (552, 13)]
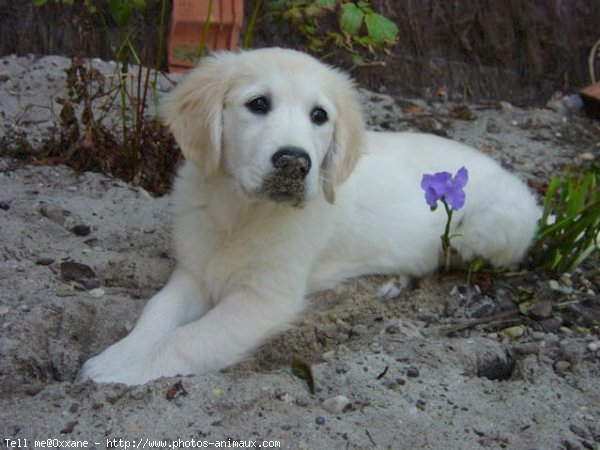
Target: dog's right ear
[(194, 112)]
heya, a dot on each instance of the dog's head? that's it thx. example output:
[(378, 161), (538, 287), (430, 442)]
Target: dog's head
[(281, 124)]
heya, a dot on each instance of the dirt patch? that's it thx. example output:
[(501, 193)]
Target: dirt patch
[(494, 361)]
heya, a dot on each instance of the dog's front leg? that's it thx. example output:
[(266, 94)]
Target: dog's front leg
[(133, 360), (238, 324)]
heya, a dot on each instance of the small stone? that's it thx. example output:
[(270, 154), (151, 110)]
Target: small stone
[(389, 291), (302, 401), (593, 346), (320, 420), (587, 156), (337, 404), (579, 431), (551, 325), (400, 381), (82, 230), (376, 348), (285, 397), (412, 372), (554, 285), (421, 404), (513, 332), (560, 367), (541, 310), (54, 213), (44, 261), (65, 290), (393, 326), (342, 368), (4, 206), (328, 356), (97, 293)]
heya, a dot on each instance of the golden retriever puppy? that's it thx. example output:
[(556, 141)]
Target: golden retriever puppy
[(285, 193)]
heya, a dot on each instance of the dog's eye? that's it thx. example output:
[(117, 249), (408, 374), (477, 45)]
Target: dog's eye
[(259, 105), (318, 116)]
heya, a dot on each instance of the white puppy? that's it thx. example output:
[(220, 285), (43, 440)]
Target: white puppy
[(285, 193)]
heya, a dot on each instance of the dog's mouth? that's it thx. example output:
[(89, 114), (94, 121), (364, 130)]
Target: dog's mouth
[(286, 184)]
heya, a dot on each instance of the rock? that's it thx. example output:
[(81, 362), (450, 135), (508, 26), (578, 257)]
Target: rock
[(587, 156), (593, 346), (579, 431), (513, 332), (412, 372), (328, 356), (82, 230), (555, 286), (541, 310), (560, 367), (44, 261), (389, 291), (337, 404), (97, 293), (54, 213), (320, 420), (81, 273)]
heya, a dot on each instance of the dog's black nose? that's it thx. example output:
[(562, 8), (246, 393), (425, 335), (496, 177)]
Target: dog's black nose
[(290, 158)]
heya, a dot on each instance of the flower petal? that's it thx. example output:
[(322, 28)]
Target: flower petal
[(431, 197), (461, 177), (456, 198)]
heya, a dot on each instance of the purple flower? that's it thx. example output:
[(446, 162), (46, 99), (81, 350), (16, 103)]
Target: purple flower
[(442, 186)]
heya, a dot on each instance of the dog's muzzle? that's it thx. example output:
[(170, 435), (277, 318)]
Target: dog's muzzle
[(286, 182)]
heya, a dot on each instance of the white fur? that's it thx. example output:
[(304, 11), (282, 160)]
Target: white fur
[(246, 262)]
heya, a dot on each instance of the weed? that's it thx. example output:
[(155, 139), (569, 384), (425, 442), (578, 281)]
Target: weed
[(569, 229), (359, 31)]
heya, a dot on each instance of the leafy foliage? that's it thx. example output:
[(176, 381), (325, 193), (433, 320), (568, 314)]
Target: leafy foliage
[(569, 229), (359, 31)]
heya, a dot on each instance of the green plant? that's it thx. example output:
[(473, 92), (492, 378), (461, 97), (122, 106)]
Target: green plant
[(569, 229), (139, 149), (359, 30)]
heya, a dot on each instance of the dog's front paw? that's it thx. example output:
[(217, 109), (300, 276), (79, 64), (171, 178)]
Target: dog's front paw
[(122, 364)]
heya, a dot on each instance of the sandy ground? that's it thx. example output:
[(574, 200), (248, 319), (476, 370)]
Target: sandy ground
[(80, 255)]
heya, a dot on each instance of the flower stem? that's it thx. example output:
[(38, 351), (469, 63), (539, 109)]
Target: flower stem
[(446, 247)]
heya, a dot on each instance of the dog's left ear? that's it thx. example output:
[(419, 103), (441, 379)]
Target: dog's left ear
[(348, 136), (193, 111)]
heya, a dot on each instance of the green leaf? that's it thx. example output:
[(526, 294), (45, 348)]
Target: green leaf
[(330, 4), (39, 2), (381, 29), (352, 18), (302, 370), (139, 5), (312, 10)]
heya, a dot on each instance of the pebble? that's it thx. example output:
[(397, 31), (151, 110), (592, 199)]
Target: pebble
[(513, 332), (579, 431), (555, 286), (82, 230), (593, 346), (44, 261), (302, 401), (328, 356), (389, 291), (412, 372), (54, 213), (587, 156), (337, 404), (541, 310), (560, 367), (320, 420), (393, 326), (97, 293)]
